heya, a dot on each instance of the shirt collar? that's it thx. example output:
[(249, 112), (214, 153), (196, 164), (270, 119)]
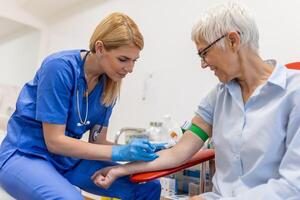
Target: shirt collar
[(81, 62), (278, 76)]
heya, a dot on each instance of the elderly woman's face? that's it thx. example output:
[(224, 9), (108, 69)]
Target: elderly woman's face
[(220, 61)]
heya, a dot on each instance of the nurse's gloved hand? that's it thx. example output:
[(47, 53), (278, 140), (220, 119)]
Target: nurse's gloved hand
[(159, 146), (137, 150)]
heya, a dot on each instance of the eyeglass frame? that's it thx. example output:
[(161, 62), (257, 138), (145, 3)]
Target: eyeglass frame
[(205, 50)]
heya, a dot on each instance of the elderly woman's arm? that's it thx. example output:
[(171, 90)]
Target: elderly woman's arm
[(177, 155)]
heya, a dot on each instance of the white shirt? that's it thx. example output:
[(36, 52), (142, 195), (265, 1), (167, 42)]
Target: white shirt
[(257, 145)]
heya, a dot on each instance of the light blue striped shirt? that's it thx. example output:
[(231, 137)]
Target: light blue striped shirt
[(258, 143)]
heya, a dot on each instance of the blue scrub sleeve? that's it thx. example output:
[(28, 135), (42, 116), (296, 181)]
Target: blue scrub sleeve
[(55, 81)]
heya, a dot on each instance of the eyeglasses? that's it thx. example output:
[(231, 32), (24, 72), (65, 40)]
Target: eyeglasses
[(203, 53)]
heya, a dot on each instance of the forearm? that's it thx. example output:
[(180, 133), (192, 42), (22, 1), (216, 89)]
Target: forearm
[(160, 163), (106, 142), (168, 158), (71, 147), (102, 141)]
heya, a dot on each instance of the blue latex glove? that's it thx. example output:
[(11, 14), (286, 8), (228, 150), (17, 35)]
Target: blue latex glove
[(137, 150), (159, 146)]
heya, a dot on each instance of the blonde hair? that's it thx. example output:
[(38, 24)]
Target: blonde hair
[(115, 30)]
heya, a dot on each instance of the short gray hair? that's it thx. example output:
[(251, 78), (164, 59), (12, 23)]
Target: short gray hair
[(224, 18)]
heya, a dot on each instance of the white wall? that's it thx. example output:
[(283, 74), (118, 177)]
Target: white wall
[(169, 56), (19, 57)]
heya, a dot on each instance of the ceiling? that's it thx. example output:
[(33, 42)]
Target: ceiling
[(44, 11), (10, 28)]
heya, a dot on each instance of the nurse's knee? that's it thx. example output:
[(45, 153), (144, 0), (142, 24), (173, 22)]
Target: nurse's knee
[(67, 193), (71, 195), (26, 193), (153, 186), (156, 184)]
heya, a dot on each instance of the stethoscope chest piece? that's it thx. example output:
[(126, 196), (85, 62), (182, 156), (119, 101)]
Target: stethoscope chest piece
[(83, 123)]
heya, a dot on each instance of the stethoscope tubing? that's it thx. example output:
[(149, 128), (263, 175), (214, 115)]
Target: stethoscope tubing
[(85, 121)]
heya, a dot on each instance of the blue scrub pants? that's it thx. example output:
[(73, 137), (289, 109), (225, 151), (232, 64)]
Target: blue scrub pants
[(27, 177)]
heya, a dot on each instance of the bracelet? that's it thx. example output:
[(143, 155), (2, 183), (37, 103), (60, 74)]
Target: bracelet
[(199, 132)]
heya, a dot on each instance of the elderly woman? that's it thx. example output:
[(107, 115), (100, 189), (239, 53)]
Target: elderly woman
[(252, 115)]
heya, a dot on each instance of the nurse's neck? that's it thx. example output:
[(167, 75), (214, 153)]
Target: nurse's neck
[(91, 70)]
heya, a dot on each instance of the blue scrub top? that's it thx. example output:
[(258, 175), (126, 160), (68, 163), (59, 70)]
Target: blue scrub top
[(51, 97)]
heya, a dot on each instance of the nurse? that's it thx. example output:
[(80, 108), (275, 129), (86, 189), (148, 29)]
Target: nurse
[(73, 92)]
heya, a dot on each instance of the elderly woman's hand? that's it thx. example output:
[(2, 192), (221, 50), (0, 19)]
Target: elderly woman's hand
[(106, 176), (196, 198)]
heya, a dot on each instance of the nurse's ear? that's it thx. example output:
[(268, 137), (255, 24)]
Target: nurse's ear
[(99, 48)]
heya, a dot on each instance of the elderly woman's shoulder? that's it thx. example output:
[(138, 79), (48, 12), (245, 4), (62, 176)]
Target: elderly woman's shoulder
[(293, 81), (293, 75)]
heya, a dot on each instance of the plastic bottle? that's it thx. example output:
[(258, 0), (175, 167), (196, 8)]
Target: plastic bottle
[(172, 130), (155, 132)]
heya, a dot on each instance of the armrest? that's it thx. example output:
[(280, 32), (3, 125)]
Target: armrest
[(199, 157), (293, 65)]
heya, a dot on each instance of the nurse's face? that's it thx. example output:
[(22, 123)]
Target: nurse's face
[(117, 63)]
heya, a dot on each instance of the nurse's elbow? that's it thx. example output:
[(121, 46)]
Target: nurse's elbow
[(52, 147), (54, 136), (55, 144)]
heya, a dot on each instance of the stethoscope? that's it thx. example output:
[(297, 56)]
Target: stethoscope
[(82, 122), (86, 122)]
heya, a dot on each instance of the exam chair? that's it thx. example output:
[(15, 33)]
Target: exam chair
[(200, 157), (293, 65), (206, 157)]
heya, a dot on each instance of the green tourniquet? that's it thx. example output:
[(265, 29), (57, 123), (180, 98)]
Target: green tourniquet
[(199, 132)]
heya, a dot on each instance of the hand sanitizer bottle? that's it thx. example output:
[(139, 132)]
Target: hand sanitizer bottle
[(172, 129)]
